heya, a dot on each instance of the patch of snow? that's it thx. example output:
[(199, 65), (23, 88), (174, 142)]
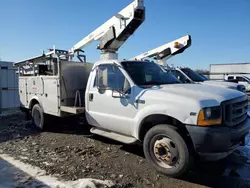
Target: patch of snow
[(51, 181), (23, 157), (47, 164), (89, 183)]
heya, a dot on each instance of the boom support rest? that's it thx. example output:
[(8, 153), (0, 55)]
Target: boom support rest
[(166, 51)]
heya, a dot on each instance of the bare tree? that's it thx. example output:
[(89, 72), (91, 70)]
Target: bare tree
[(202, 71)]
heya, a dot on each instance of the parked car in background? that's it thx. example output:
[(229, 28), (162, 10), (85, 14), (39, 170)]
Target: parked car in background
[(241, 79)]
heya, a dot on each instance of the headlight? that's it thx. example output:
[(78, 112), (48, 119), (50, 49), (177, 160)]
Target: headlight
[(209, 116), (241, 88)]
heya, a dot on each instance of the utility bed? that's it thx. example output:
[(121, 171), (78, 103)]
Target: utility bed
[(57, 85)]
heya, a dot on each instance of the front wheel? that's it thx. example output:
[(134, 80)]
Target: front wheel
[(166, 150)]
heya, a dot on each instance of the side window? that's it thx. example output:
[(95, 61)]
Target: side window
[(111, 77), (230, 77), (240, 79)]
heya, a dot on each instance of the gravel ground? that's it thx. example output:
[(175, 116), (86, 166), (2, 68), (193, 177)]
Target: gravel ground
[(70, 153)]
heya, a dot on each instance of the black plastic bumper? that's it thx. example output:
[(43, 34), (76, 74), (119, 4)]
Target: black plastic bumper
[(213, 143)]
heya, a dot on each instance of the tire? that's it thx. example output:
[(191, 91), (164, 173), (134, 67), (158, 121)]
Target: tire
[(166, 150), (38, 117)]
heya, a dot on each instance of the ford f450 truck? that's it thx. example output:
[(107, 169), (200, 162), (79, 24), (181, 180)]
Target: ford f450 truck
[(134, 101)]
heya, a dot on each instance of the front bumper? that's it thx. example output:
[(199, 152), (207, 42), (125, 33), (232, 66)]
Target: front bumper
[(217, 142)]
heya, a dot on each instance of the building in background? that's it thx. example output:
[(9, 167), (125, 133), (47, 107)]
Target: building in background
[(219, 71), (9, 97)]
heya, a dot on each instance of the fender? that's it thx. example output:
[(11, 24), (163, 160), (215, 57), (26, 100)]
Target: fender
[(39, 101), (168, 110)]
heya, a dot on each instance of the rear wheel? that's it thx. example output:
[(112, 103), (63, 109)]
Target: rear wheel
[(166, 150), (38, 117)]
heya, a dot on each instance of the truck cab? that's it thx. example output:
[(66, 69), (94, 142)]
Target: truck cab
[(140, 101)]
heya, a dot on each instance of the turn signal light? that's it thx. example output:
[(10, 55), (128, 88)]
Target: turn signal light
[(203, 122)]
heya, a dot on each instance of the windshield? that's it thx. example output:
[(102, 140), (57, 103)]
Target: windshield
[(148, 73), (204, 77), (248, 80), (193, 75)]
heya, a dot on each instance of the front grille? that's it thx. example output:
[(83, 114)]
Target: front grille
[(235, 111)]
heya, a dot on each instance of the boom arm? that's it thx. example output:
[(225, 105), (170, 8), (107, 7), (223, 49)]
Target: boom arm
[(116, 30), (166, 51)]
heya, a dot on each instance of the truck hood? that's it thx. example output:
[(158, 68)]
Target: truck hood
[(205, 95), (222, 83)]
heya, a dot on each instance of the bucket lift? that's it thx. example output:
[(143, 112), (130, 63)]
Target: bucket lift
[(113, 33), (163, 53)]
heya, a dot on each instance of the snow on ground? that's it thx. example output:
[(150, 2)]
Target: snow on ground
[(47, 180)]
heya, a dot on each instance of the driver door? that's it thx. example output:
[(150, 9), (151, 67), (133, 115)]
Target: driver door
[(106, 109)]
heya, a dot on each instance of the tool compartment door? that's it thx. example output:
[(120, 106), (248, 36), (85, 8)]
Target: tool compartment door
[(51, 95), (23, 91)]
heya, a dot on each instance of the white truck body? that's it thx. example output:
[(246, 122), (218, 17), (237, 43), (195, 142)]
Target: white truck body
[(126, 112), (135, 101), (56, 93)]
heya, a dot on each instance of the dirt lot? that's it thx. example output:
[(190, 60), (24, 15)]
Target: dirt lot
[(70, 152)]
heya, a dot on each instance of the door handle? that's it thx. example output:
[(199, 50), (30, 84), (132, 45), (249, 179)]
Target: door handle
[(91, 97)]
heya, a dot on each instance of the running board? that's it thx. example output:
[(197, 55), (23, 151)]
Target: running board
[(114, 136)]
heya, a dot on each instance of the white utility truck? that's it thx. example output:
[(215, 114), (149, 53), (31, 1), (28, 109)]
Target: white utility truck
[(135, 101), (185, 75)]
